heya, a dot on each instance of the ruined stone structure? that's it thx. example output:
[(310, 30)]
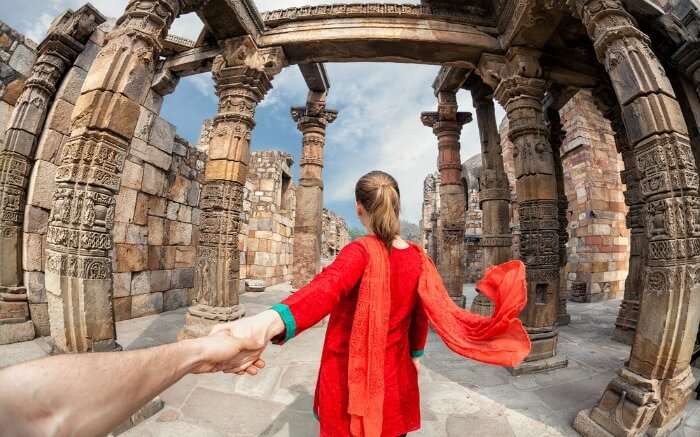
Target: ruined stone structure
[(335, 234), (267, 231), (17, 56), (533, 57)]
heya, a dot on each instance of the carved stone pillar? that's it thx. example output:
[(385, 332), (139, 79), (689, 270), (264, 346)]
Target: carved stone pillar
[(311, 121), (447, 125), (65, 41), (243, 76), (556, 138), (651, 391), (626, 323), (494, 191), (79, 236), (521, 92)]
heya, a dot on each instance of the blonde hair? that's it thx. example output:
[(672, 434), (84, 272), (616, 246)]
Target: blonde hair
[(379, 194)]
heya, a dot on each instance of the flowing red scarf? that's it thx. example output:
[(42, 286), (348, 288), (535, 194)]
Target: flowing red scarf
[(499, 339)]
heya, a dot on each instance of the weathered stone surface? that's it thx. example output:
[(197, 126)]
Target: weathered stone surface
[(146, 304), (183, 278), (126, 204), (154, 180), (180, 233), (175, 299), (36, 290), (35, 219), (42, 185), (141, 283), (122, 308), (131, 257), (132, 175), (16, 332), (49, 147), (22, 59), (160, 280), (121, 284), (39, 313), (71, 85)]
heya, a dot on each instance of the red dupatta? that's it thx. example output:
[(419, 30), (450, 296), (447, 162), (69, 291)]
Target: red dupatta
[(499, 339)]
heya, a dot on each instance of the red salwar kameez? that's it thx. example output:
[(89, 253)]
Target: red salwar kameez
[(382, 322)]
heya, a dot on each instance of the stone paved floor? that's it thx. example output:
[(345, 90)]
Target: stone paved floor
[(460, 398)]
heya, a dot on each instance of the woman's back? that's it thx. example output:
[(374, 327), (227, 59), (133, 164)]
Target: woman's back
[(335, 290)]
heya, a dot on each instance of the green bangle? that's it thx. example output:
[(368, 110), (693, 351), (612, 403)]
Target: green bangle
[(417, 354), (290, 325)]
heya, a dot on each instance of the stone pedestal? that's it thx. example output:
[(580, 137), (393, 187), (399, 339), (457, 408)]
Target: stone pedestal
[(651, 391), (65, 40), (447, 125), (243, 75), (521, 92), (494, 192), (308, 227)]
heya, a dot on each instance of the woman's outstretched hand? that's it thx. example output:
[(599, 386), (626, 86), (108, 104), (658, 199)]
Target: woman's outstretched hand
[(258, 330)]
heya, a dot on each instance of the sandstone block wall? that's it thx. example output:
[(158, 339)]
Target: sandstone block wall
[(17, 56), (598, 249), (267, 235), (429, 214), (335, 234), (156, 217)]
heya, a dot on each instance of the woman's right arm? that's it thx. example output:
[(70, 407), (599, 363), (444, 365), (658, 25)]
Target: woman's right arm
[(316, 300), (308, 305)]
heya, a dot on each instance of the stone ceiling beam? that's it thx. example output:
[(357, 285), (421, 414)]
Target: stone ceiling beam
[(231, 18), (380, 39), (451, 78), (315, 77), (192, 61)]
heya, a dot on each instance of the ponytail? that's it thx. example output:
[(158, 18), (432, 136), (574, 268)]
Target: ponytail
[(379, 194)]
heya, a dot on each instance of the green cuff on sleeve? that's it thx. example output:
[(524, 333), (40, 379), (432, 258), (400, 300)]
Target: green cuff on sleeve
[(290, 324), (417, 354)]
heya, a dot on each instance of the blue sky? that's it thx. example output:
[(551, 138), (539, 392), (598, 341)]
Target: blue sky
[(378, 125)]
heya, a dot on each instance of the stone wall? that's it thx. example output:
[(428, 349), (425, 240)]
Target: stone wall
[(156, 215), (17, 56), (598, 247), (270, 203), (473, 254), (429, 214), (335, 234)]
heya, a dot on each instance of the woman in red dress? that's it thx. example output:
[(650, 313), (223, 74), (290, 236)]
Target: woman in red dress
[(381, 292)]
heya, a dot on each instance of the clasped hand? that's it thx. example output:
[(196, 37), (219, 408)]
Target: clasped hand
[(236, 347)]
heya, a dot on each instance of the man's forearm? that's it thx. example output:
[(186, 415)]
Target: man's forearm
[(75, 394)]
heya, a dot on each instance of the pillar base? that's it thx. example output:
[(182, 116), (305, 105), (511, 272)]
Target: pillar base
[(461, 301), (15, 323), (624, 336), (482, 306), (587, 426), (543, 365), (17, 332), (563, 319), (201, 318)]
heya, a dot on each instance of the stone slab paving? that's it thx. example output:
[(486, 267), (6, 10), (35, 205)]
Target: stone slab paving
[(459, 397)]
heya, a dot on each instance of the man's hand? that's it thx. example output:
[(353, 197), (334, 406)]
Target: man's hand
[(222, 352), (258, 330)]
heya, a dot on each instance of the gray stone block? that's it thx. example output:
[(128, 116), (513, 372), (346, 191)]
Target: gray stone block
[(141, 283), (146, 304), (23, 59), (175, 299), (36, 290)]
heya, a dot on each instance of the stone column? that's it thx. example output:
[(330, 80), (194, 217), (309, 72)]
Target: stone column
[(626, 323), (494, 191), (243, 76), (652, 389), (311, 121), (447, 125), (521, 91), (79, 236), (556, 138), (65, 41)]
